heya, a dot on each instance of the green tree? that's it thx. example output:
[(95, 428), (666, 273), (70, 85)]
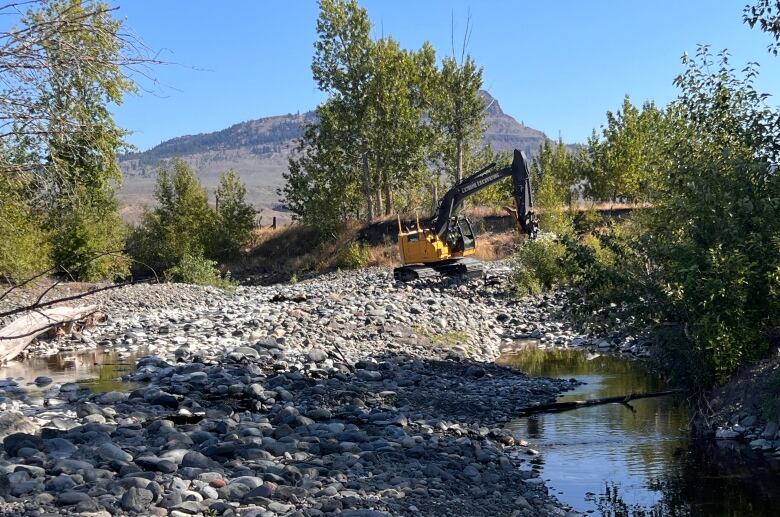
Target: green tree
[(24, 243), (458, 113), (322, 188), (623, 162), (182, 223), (716, 223), (399, 136), (554, 172), (372, 137), (63, 68), (342, 68), (235, 217)]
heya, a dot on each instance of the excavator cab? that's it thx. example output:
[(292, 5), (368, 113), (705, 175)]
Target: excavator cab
[(460, 235)]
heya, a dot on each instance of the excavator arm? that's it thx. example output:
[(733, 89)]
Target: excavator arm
[(453, 200)]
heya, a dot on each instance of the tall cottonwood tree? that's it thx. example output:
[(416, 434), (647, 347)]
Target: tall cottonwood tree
[(626, 158), (342, 68), (458, 112), (372, 135), (399, 134)]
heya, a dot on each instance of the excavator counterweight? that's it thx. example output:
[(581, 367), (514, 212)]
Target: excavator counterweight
[(444, 244)]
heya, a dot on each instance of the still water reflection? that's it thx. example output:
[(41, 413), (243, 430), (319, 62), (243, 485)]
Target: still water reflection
[(99, 370), (615, 460)]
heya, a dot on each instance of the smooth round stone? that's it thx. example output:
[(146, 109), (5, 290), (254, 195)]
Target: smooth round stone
[(111, 451), (42, 380)]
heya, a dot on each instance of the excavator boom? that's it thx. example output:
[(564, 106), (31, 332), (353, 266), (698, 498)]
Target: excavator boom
[(452, 201)]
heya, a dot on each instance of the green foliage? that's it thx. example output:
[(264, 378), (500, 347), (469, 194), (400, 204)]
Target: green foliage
[(196, 269), (587, 221), (765, 14), (182, 224), (540, 265), (24, 244), (64, 67), (91, 240), (457, 114), (705, 257), (716, 236), (389, 116), (623, 163), (355, 255), (553, 174), (613, 286), (235, 218)]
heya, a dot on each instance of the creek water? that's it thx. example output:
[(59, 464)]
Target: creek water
[(613, 460), (99, 370)]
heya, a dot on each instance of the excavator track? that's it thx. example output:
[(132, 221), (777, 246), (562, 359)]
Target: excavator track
[(460, 267)]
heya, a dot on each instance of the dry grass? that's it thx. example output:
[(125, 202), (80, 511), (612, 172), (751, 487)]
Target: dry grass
[(495, 246), (384, 255), (481, 212)]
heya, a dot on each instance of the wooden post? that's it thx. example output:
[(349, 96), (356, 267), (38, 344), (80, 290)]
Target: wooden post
[(273, 223)]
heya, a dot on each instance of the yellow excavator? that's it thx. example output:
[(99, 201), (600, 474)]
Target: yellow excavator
[(442, 246)]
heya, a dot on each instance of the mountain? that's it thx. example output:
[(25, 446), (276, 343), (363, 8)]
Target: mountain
[(258, 151)]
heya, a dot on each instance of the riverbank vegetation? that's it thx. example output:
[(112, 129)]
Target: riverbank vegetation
[(702, 260)]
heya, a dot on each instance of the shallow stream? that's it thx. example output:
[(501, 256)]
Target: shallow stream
[(99, 370), (639, 461)]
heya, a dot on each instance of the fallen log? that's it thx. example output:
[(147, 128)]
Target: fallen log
[(557, 407), (18, 334)]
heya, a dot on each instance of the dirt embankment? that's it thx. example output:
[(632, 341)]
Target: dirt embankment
[(295, 251), (747, 408)]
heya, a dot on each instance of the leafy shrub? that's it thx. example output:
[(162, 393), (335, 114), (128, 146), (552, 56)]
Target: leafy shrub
[(355, 255), (540, 265), (196, 269), (705, 258), (24, 244), (587, 221), (716, 219), (89, 241)]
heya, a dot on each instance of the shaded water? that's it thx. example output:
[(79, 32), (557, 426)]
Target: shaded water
[(612, 460), (99, 370)]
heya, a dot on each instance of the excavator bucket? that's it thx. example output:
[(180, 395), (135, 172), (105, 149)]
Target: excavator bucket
[(521, 177)]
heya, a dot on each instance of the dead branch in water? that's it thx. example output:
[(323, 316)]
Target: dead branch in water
[(557, 407)]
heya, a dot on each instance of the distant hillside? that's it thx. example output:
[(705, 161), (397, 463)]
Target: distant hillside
[(258, 151)]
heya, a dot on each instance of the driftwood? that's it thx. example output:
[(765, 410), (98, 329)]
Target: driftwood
[(557, 407), (15, 336)]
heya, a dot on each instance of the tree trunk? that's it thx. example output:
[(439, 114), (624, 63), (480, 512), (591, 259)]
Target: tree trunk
[(459, 159), (378, 200), (434, 198), (367, 189), (557, 407), (388, 198)]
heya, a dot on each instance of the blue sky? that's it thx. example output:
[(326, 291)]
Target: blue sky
[(557, 65)]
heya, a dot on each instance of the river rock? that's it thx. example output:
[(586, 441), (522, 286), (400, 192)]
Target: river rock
[(136, 499), (12, 422), (110, 451)]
